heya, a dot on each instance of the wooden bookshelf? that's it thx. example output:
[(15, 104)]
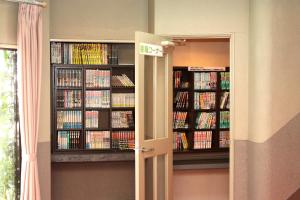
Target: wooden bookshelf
[(92, 74), (187, 86)]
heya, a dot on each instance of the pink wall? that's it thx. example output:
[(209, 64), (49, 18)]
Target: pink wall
[(209, 184)]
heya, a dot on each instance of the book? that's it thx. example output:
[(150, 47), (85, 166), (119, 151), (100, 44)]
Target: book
[(123, 100), (69, 120), (97, 99), (91, 119), (225, 81), (202, 139), (56, 52), (97, 140), (68, 139), (178, 80), (205, 80), (224, 102), (123, 140), (205, 120), (121, 81), (204, 100), (224, 119), (179, 120), (122, 119), (224, 141), (181, 100), (68, 78), (68, 98), (97, 78)]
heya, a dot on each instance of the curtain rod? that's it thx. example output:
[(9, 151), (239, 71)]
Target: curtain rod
[(33, 2)]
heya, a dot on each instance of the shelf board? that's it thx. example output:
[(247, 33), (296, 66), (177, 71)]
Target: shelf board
[(205, 110), (205, 129), (68, 88), (225, 90), (92, 66), (97, 88), (181, 109), (224, 129), (181, 129), (123, 108), (96, 108), (70, 129), (123, 129), (97, 129), (67, 109), (205, 90), (181, 89)]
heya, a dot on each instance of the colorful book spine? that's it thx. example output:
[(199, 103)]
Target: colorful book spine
[(122, 119), (97, 99), (123, 100), (224, 141), (97, 140), (225, 81), (202, 139), (205, 120), (205, 80), (68, 139), (204, 100), (121, 81), (97, 78), (224, 119), (68, 78), (56, 52), (69, 120), (182, 100), (180, 141), (178, 80), (91, 119), (123, 140), (179, 120), (68, 98), (225, 101)]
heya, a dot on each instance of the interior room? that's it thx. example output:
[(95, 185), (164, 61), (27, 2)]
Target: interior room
[(149, 100)]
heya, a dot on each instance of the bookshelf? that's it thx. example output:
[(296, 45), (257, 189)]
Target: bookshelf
[(200, 110), (92, 97)]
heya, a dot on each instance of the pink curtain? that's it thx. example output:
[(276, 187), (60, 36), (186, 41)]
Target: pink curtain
[(29, 75)]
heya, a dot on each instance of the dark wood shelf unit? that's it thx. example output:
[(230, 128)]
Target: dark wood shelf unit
[(192, 112), (104, 114)]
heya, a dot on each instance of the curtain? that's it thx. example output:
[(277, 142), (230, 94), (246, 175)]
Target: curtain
[(29, 86)]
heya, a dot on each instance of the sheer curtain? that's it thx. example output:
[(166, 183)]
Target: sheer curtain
[(29, 87)]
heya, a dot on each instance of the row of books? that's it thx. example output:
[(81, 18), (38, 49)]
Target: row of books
[(205, 100), (178, 80), (122, 140), (225, 101), (97, 99), (205, 81), (91, 119), (121, 81), (68, 78), (97, 78), (179, 120), (182, 100), (224, 139), (225, 81), (122, 119), (123, 100), (68, 139), (180, 141), (224, 119), (97, 140), (77, 53), (69, 119), (205, 120), (68, 98), (202, 139)]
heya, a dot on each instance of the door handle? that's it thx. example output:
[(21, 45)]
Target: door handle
[(145, 150)]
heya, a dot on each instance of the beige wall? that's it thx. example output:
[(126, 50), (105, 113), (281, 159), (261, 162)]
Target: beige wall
[(8, 22), (205, 53), (98, 20), (210, 184)]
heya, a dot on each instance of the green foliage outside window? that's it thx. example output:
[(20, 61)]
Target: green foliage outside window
[(7, 125)]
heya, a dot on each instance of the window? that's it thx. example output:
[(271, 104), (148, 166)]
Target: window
[(9, 127)]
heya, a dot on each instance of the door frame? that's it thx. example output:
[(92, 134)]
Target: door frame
[(231, 37)]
